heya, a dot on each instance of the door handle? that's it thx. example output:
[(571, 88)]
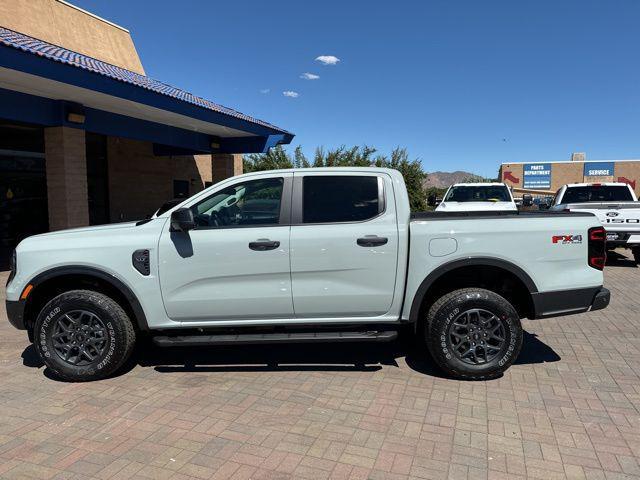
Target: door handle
[(263, 244), (372, 241)]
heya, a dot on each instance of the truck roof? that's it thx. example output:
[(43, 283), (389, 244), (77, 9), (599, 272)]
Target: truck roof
[(607, 184), (479, 184), (390, 171)]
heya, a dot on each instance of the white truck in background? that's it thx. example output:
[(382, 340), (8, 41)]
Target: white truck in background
[(476, 197), (615, 205)]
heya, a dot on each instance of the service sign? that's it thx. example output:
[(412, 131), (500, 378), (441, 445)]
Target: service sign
[(537, 176), (598, 169)]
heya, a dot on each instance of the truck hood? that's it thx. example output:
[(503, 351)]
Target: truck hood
[(475, 206), (94, 228)]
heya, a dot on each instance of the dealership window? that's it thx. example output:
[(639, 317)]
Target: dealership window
[(23, 186), (334, 198), (180, 188)]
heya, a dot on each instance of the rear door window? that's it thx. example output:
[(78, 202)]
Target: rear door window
[(341, 198)]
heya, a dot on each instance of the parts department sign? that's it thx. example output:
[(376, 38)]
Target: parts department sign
[(598, 169), (537, 176)]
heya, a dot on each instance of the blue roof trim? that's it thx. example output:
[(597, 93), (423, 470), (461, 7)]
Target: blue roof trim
[(61, 55)]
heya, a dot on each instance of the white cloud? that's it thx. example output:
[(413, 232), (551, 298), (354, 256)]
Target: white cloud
[(265, 90), (309, 76), (290, 94), (327, 59)]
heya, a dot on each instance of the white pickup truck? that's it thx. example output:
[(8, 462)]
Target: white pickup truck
[(473, 197), (308, 255), (615, 205)]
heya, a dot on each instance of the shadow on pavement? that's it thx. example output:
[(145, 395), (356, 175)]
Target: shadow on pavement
[(535, 350), (618, 259), (324, 357), (30, 357)]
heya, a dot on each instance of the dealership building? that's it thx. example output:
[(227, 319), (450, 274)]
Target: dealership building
[(87, 138), (548, 177)]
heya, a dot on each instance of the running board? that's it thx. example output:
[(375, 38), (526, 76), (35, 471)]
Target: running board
[(266, 338)]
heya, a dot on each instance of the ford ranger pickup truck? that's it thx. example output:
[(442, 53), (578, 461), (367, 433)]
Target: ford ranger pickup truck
[(305, 255), (615, 205)]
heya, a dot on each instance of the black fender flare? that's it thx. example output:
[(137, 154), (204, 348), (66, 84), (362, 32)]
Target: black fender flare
[(115, 282), (466, 262)]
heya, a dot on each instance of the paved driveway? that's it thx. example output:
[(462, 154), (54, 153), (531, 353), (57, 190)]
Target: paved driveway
[(570, 408)]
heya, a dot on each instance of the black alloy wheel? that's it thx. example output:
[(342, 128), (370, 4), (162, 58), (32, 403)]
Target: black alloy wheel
[(79, 337), (477, 336)]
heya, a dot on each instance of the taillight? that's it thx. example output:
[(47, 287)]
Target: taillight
[(597, 254)]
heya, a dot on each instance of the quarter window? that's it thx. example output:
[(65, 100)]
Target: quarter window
[(256, 202), (331, 199)]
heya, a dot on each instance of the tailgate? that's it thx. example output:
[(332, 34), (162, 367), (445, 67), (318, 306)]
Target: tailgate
[(614, 216)]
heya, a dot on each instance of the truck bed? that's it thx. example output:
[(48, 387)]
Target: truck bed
[(493, 214)]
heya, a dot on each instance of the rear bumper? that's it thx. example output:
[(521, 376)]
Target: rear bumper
[(15, 313), (568, 302)]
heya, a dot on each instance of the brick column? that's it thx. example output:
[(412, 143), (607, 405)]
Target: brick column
[(66, 161), (225, 165)]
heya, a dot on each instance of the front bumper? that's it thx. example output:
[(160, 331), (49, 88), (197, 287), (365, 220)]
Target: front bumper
[(569, 302), (15, 313)]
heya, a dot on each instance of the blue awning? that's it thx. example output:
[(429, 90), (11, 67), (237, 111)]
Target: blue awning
[(43, 83)]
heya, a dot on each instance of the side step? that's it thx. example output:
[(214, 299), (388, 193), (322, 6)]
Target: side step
[(266, 338)]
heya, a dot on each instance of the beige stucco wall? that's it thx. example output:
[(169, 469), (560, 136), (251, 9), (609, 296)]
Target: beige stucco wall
[(515, 171), (59, 23)]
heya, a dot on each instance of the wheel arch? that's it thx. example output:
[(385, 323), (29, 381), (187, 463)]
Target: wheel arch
[(472, 266), (56, 280)]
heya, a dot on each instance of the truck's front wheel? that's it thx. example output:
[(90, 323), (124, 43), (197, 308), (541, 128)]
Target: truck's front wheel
[(83, 335), (473, 333)]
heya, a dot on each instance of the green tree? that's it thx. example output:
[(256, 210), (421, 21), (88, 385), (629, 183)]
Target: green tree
[(363, 156), (274, 159), (413, 174), (300, 160), (478, 179)]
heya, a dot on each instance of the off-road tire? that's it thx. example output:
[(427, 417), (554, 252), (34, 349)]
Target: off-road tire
[(118, 335), (636, 254), (447, 309)]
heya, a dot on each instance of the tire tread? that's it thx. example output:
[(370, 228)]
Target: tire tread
[(431, 336), (118, 315)]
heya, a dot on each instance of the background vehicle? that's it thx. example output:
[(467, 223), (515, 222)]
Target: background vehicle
[(305, 255), (469, 197), (615, 205)]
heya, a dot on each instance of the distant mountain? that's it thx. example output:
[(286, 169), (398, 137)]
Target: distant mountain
[(445, 179)]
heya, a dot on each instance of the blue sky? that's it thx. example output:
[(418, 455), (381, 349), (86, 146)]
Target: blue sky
[(464, 85)]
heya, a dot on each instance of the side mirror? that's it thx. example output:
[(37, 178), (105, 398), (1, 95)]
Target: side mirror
[(431, 200), (182, 220), (527, 200)]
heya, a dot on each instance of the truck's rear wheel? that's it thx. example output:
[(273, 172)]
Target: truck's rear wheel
[(83, 335), (636, 254), (473, 333)]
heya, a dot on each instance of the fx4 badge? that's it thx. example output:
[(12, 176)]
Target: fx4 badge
[(564, 239)]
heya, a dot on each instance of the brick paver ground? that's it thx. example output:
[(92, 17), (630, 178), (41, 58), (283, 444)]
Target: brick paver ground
[(569, 408)]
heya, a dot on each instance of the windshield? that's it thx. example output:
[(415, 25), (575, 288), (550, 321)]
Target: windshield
[(597, 193), (480, 193)]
